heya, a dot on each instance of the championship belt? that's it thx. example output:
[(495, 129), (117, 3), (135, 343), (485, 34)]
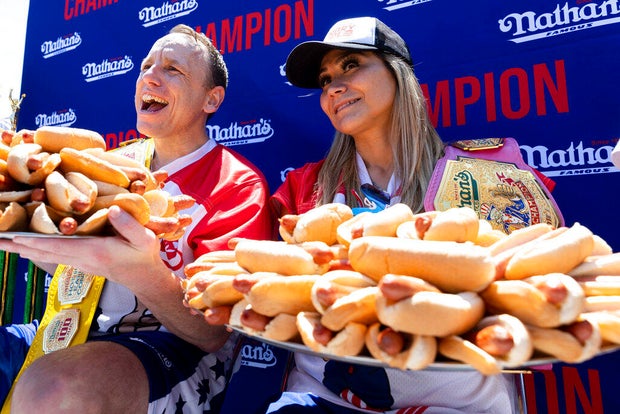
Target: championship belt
[(490, 176), (73, 295)]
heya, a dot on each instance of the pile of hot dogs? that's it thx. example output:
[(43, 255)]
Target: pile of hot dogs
[(61, 181), (413, 289)]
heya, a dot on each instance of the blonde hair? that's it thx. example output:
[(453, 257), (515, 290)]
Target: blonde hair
[(416, 145)]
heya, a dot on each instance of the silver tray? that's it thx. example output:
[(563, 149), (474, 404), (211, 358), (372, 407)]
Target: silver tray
[(370, 361), (12, 234)]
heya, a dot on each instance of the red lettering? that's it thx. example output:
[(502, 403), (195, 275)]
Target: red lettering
[(306, 16), (282, 20), (574, 387), (231, 37), (113, 140), (461, 99), (529, 386), (489, 95), (254, 21), (442, 103), (505, 93), (558, 91), (280, 25), (515, 96), (79, 8), (551, 389), (266, 37), (69, 11)]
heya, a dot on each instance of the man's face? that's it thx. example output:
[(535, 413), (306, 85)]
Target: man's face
[(171, 90)]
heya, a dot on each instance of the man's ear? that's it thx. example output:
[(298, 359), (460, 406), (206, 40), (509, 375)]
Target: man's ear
[(215, 97)]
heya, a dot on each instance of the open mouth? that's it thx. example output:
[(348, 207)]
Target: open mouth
[(152, 103)]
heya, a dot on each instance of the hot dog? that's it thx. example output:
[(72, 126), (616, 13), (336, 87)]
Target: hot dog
[(382, 223), (72, 193), (496, 342), (282, 327), (608, 323), (27, 163), (283, 258), (318, 224), (282, 294), (336, 284), (209, 260), (131, 167), (400, 350), (558, 254), (210, 289), (13, 217), (608, 264), (545, 300), (459, 224), (411, 305), (357, 306), (573, 343), (487, 235), (347, 342), (132, 203), (600, 285), (93, 167), (55, 138), (450, 266)]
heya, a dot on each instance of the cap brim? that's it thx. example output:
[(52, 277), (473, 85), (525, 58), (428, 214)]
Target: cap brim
[(304, 61)]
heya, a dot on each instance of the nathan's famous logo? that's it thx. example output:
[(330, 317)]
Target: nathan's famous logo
[(108, 67), (66, 117), (467, 188), (399, 4), (237, 133), (169, 10), (260, 356), (63, 44), (530, 25), (574, 160)]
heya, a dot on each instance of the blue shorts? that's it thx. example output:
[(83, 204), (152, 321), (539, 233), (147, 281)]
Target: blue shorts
[(178, 372), (14, 343)]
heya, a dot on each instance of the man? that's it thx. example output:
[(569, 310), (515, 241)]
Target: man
[(145, 351)]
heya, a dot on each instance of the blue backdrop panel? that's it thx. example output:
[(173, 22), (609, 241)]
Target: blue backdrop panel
[(544, 73)]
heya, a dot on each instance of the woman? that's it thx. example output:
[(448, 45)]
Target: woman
[(384, 152)]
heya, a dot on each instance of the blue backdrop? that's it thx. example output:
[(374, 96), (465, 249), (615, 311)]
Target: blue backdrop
[(543, 72)]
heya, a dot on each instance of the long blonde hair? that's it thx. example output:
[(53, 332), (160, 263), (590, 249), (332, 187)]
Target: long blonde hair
[(416, 145)]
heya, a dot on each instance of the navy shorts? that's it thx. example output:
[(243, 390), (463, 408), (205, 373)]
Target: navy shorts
[(178, 372)]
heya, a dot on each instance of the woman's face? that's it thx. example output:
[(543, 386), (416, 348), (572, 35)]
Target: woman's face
[(357, 92)]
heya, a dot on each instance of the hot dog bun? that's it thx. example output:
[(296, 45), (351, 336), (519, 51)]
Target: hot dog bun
[(282, 294), (55, 138), (416, 351), (13, 217), (608, 323), (93, 167), (429, 312), (282, 327), (278, 257), (318, 224), (335, 284), (357, 306), (347, 342), (496, 342), (459, 224), (573, 343), (552, 300), (19, 168), (132, 203), (558, 254), (608, 264), (450, 266), (72, 193)]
